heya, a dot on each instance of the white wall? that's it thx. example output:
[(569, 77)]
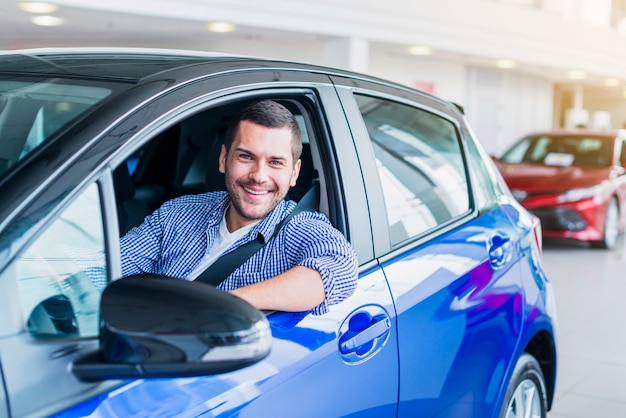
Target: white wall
[(503, 106), (447, 78)]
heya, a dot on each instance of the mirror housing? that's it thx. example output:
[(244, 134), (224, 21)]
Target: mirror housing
[(153, 326)]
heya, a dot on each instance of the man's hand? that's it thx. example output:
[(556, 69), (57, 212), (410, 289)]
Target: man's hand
[(298, 289)]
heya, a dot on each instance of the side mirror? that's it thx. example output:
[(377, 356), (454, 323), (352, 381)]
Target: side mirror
[(157, 327)]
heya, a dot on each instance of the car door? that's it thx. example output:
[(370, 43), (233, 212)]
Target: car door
[(453, 271), (342, 363)]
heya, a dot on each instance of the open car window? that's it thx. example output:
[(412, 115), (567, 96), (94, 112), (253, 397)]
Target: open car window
[(183, 159)]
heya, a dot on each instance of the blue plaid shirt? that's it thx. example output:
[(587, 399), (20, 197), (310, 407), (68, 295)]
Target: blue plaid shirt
[(174, 239)]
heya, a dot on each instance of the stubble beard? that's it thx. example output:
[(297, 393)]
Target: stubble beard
[(239, 205)]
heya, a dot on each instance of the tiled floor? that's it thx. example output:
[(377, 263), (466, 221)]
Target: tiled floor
[(590, 288)]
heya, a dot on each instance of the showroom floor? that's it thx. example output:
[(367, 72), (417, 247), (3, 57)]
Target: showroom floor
[(590, 288)]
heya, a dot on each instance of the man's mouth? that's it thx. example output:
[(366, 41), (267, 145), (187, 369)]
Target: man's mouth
[(256, 192)]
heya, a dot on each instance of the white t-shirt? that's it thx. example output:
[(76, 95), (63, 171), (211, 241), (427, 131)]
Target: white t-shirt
[(223, 240)]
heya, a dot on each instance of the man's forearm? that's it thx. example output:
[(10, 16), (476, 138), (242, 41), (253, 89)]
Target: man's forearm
[(297, 289)]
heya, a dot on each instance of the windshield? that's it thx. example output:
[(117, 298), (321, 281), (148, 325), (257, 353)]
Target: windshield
[(562, 150), (32, 110)]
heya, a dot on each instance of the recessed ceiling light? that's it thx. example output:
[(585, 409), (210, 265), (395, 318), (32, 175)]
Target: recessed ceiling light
[(46, 20), (505, 63), (220, 27), (38, 7), (420, 50), (576, 75), (612, 82)]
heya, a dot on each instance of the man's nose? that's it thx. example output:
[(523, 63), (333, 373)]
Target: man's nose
[(259, 172)]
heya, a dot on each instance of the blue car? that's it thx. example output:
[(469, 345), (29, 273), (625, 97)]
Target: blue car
[(453, 315)]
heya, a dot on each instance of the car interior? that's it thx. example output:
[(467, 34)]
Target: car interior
[(183, 160)]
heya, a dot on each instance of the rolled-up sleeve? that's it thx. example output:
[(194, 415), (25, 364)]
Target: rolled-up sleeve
[(316, 244)]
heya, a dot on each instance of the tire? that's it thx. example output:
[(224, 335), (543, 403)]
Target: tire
[(611, 227), (526, 394)]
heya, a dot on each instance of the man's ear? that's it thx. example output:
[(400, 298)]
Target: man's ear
[(222, 159), (296, 173)]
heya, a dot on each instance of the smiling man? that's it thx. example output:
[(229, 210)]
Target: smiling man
[(308, 265)]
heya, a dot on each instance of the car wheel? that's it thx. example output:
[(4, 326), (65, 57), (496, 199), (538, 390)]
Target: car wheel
[(526, 395), (611, 227)]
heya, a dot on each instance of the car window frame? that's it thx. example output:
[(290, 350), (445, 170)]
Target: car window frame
[(333, 129), (382, 241)]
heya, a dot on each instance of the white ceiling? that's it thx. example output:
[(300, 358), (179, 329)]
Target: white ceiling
[(84, 26)]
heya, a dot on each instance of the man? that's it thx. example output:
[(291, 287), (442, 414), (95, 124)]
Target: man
[(308, 265)]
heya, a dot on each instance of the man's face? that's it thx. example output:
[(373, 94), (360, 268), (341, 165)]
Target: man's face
[(259, 170)]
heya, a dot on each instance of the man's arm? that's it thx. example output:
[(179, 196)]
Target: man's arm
[(298, 289)]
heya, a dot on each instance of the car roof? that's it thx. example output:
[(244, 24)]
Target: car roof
[(136, 64), (128, 64)]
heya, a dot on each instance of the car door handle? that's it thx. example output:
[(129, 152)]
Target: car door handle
[(365, 332), (500, 250), (369, 334)]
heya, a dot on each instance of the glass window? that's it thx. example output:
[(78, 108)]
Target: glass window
[(420, 166), (61, 274), (32, 110)]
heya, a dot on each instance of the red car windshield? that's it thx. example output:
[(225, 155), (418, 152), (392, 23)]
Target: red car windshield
[(562, 150)]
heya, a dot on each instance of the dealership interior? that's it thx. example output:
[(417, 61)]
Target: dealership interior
[(514, 66)]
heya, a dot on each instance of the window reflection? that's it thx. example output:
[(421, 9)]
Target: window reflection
[(419, 164), (60, 276)]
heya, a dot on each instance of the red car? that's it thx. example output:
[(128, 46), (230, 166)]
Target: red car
[(573, 180)]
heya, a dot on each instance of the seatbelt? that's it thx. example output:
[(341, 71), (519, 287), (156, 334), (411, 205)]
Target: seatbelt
[(226, 264)]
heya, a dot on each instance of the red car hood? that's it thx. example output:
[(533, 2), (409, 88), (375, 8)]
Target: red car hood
[(537, 177)]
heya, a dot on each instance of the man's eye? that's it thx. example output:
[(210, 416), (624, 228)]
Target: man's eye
[(276, 162), (245, 156)]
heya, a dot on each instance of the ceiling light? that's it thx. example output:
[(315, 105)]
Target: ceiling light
[(220, 27), (576, 75), (38, 7), (505, 63), (612, 82), (46, 20), (420, 50)]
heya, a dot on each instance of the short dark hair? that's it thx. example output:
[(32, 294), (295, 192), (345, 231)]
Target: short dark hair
[(270, 114)]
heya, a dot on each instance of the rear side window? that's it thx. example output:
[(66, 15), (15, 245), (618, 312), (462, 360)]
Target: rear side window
[(420, 166)]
